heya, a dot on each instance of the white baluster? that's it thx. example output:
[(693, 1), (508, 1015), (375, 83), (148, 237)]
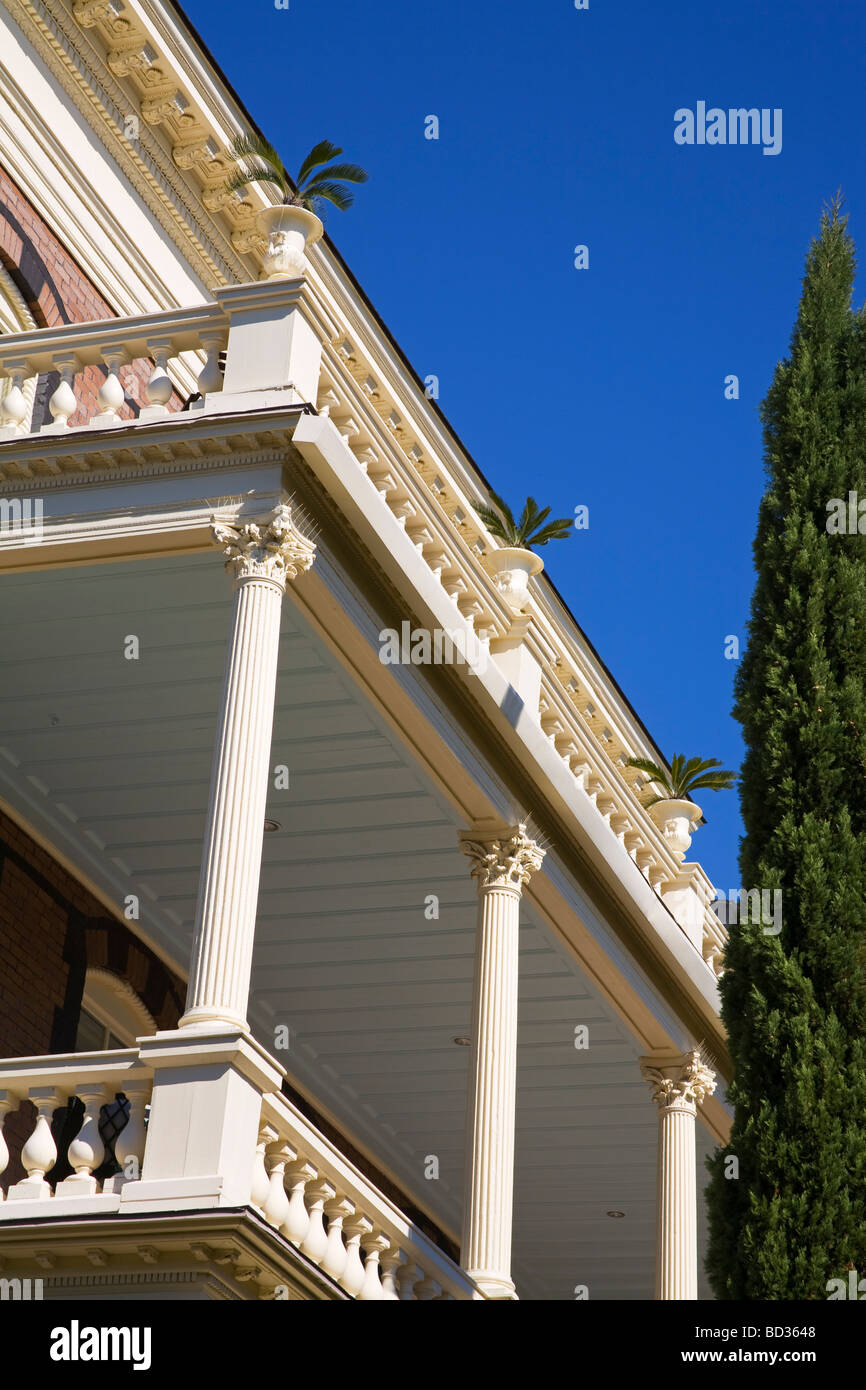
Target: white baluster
[(352, 1277), (129, 1144), (409, 1277), (277, 1203), (210, 377), (297, 1222), (334, 1262), (62, 403), (111, 394), (260, 1183), (7, 1102), (315, 1242), (160, 387), (427, 1290), (13, 406), (371, 1289), (87, 1150), (392, 1260), (40, 1152)]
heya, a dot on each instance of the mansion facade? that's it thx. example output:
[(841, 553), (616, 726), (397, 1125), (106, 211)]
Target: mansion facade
[(327, 974)]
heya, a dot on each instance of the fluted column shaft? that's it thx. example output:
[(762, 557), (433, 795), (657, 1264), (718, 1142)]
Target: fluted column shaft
[(262, 556), (679, 1085), (501, 866)]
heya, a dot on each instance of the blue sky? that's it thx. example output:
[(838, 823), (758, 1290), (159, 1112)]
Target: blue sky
[(602, 386)]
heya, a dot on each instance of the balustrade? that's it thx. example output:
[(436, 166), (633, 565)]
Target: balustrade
[(50, 1084), (110, 345), (325, 1206)]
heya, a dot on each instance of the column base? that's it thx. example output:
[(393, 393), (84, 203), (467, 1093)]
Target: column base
[(208, 1021), (494, 1286)]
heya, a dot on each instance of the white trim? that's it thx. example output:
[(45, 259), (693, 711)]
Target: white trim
[(15, 317), (115, 1003)]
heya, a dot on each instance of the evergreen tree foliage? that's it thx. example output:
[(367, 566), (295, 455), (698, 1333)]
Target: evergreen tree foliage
[(794, 1003)]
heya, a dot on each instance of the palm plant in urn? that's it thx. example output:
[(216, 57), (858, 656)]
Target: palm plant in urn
[(672, 808), (293, 224), (514, 563)]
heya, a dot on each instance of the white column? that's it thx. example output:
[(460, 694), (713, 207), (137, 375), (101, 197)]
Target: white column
[(262, 555), (679, 1084), (502, 862)]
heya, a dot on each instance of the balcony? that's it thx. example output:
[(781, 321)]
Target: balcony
[(251, 363), (324, 1215), (282, 407)]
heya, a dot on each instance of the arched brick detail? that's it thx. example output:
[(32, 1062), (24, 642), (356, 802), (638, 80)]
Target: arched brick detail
[(51, 930), (57, 291), (125, 956)]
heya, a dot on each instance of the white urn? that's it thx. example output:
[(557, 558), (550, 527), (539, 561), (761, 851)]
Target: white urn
[(289, 230), (676, 820), (511, 568)]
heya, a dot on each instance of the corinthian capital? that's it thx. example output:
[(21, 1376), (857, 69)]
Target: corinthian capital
[(271, 548), (679, 1082), (507, 860)]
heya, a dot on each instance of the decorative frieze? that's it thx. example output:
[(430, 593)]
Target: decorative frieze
[(204, 149)]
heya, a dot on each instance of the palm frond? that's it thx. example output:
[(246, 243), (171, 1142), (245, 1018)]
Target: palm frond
[(255, 147), (258, 173), (494, 523), (319, 154), (713, 782), (685, 777), (330, 192), (557, 530), (652, 770), (351, 173), (504, 508), (263, 165)]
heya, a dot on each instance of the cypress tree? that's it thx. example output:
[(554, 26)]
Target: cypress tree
[(790, 1214)]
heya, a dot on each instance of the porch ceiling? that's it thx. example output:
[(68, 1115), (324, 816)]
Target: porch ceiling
[(109, 759)]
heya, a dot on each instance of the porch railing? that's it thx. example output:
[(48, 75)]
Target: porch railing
[(302, 1185), (368, 1245)]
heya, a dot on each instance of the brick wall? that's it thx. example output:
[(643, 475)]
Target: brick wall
[(57, 291), (51, 931)]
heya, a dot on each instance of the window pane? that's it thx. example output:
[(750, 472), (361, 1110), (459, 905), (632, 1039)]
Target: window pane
[(91, 1034)]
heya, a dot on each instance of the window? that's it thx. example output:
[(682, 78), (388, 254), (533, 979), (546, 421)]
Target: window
[(112, 1016), (94, 1035)]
